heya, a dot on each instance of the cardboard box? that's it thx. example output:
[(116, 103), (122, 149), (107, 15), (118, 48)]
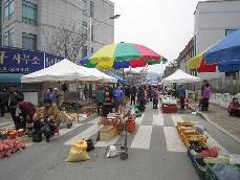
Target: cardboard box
[(108, 132)]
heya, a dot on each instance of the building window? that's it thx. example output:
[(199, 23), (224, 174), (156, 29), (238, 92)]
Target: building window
[(29, 41), (84, 29), (92, 34), (29, 12), (84, 51), (85, 7), (229, 31), (8, 38), (8, 10), (91, 8)]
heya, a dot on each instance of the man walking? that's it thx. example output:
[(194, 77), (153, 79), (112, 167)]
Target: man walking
[(181, 94), (155, 97)]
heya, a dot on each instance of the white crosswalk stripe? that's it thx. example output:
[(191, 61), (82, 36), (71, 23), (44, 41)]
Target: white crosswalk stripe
[(212, 142), (174, 143), (95, 121), (176, 118), (105, 144), (142, 138), (85, 134), (64, 131), (158, 120), (139, 119)]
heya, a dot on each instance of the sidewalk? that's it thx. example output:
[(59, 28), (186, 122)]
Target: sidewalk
[(220, 118)]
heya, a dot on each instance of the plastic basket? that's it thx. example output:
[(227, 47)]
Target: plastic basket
[(201, 170)]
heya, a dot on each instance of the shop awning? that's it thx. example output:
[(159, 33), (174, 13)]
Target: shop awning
[(10, 77)]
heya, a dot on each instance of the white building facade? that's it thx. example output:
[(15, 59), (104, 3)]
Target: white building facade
[(213, 21), (30, 24)]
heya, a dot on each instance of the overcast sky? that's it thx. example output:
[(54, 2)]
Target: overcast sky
[(166, 26)]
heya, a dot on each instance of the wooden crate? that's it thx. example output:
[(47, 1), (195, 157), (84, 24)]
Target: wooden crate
[(108, 132)]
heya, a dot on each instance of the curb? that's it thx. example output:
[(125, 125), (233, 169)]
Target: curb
[(205, 116)]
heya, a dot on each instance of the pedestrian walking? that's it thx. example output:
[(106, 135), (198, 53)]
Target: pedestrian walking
[(118, 97), (133, 93), (155, 96), (3, 101), (100, 99), (15, 96), (206, 97), (181, 94), (107, 102), (142, 98)]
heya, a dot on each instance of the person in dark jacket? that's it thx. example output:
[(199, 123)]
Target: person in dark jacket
[(3, 102), (133, 93), (142, 98), (107, 102), (14, 97), (181, 94)]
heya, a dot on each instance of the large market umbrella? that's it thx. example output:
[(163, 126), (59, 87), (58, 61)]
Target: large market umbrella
[(106, 56), (141, 62), (227, 49)]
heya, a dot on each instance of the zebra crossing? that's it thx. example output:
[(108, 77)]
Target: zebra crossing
[(142, 137)]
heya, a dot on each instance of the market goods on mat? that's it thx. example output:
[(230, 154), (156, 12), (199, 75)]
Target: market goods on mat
[(7, 147)]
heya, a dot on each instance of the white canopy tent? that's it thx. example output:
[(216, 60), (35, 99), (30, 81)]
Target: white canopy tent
[(66, 70), (180, 76)]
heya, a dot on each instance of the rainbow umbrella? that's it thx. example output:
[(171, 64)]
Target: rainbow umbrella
[(124, 64), (108, 55)]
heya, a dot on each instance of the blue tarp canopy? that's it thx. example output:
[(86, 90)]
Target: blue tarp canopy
[(10, 77), (119, 78), (226, 49), (228, 66)]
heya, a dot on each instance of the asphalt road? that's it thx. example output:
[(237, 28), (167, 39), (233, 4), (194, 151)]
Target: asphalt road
[(155, 152)]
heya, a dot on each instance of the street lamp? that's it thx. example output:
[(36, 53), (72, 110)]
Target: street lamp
[(91, 24)]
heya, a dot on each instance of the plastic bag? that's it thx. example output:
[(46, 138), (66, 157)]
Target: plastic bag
[(75, 156), (211, 152), (78, 152), (226, 171)]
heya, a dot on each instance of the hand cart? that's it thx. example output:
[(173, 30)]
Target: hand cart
[(122, 149)]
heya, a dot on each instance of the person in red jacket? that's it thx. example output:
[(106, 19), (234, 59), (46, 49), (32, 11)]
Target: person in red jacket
[(234, 107), (27, 112)]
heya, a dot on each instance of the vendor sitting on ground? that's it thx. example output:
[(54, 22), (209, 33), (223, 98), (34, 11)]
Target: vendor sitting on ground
[(234, 108), (49, 117)]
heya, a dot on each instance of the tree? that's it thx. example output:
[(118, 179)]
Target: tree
[(66, 41)]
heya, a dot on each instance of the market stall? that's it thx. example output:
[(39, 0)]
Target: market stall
[(208, 160), (180, 76)]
